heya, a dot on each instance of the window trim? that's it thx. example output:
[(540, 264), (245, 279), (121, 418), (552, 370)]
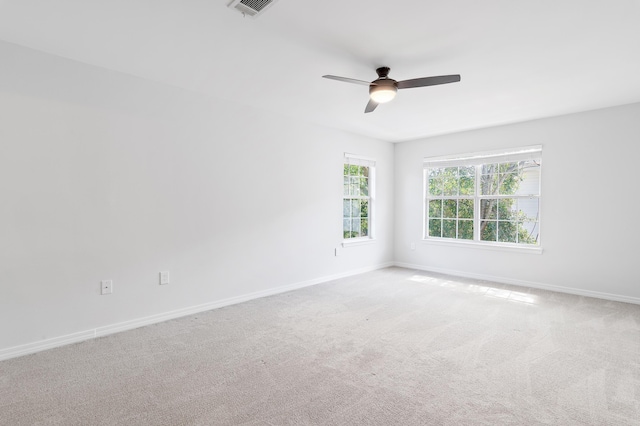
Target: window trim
[(476, 159), (484, 245), (348, 157), (360, 241)]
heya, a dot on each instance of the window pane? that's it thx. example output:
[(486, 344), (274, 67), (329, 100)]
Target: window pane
[(508, 167), (435, 185), (489, 169), (468, 171), (488, 231), (451, 172), (364, 208), (355, 185), (364, 171), (465, 209), (355, 227), (354, 170), (509, 183), (364, 187), (346, 208), (530, 176), (507, 231), (489, 209), (364, 227), (528, 233), (450, 181), (346, 170), (449, 228), (435, 208), (355, 208), (435, 227), (465, 229), (450, 187), (346, 228), (434, 172), (467, 177), (450, 208), (467, 186), (528, 209), (346, 186), (529, 165), (507, 209), (489, 179)]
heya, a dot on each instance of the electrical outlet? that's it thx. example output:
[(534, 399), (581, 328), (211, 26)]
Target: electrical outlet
[(164, 277), (337, 251), (413, 246), (106, 287)]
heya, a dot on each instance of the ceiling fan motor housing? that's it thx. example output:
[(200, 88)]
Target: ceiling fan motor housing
[(383, 72)]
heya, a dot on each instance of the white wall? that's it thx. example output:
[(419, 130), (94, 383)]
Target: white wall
[(106, 176), (589, 182)]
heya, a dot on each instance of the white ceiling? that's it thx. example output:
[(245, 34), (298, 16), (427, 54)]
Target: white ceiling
[(518, 60)]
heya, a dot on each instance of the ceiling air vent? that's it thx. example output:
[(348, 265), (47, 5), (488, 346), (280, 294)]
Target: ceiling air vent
[(251, 8)]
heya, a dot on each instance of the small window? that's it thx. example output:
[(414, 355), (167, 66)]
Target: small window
[(358, 197), (485, 197)]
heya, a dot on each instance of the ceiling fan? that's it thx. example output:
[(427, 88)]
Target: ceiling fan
[(383, 89)]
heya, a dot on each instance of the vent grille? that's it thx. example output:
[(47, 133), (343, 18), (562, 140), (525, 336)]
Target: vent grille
[(256, 5), (251, 8)]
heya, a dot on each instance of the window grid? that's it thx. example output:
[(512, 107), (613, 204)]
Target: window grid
[(499, 215), (356, 210)]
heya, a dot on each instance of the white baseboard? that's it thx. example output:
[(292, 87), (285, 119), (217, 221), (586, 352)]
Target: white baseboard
[(43, 345), (523, 283), (55, 342)]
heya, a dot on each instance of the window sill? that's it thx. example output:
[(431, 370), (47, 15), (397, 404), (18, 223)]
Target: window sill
[(484, 246), (358, 242)]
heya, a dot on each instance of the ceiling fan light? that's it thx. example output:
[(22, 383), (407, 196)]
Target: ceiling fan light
[(382, 94)]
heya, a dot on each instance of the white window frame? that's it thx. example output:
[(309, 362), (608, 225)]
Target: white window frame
[(477, 159), (360, 160)]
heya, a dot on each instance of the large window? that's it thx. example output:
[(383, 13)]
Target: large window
[(486, 197), (357, 197)]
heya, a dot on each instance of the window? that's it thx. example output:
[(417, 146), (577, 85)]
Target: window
[(486, 197), (357, 197)]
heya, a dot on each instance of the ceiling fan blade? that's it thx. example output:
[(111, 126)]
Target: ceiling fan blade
[(347, 80), (370, 106), (428, 81)]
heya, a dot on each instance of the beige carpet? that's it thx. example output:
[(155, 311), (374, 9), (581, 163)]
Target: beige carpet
[(391, 347)]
